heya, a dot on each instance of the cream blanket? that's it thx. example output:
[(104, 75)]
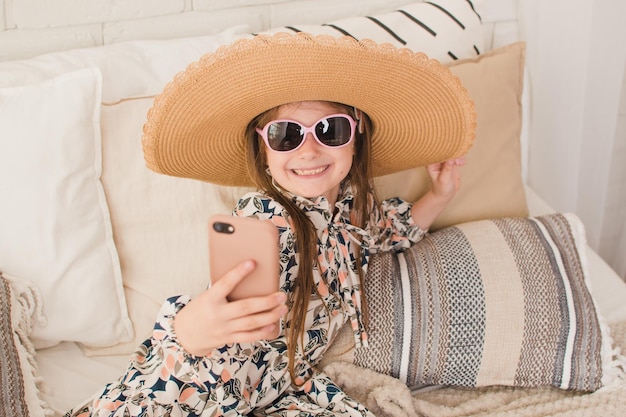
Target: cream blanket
[(388, 397)]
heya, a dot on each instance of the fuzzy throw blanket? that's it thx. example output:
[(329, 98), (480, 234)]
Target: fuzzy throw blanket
[(388, 397)]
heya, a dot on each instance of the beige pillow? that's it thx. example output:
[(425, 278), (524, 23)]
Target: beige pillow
[(491, 180), (159, 222)]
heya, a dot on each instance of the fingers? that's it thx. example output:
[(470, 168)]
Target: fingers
[(203, 325), (254, 313), (211, 320), (459, 161), (264, 325), (241, 308), (450, 162), (445, 177), (225, 285), (445, 168), (441, 171), (250, 319)]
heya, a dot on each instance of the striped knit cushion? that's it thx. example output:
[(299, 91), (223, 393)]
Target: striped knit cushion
[(492, 302), (443, 29), (20, 385)]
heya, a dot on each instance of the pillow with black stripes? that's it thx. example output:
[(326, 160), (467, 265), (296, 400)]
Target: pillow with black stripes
[(446, 30), (492, 302)]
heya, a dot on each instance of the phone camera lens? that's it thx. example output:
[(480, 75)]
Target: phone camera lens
[(221, 227)]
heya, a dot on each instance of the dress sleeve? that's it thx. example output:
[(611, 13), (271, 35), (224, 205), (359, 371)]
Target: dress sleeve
[(319, 396), (161, 375), (394, 228)]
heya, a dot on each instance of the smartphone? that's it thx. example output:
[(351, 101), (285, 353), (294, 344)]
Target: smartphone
[(233, 240)]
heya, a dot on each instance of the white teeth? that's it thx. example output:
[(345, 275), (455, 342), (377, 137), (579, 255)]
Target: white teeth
[(309, 171)]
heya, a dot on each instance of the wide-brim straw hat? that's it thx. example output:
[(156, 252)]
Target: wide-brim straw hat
[(420, 111)]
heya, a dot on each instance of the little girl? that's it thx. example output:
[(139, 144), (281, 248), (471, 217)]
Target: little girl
[(309, 121)]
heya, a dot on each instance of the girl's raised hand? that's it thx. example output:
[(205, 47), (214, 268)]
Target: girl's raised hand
[(445, 177), (210, 320), (446, 181)]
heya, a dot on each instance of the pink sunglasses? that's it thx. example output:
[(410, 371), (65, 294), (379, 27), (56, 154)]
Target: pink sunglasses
[(333, 131)]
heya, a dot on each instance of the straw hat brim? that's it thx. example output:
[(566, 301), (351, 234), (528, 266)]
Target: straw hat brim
[(420, 111)]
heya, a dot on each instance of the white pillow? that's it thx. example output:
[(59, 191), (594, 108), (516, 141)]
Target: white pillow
[(160, 222), (54, 221)]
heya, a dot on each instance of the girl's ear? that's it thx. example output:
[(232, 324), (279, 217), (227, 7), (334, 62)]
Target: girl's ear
[(358, 114)]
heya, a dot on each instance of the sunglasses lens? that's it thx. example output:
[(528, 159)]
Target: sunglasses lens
[(334, 131), (284, 136)]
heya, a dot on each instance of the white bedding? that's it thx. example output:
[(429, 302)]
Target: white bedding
[(71, 377)]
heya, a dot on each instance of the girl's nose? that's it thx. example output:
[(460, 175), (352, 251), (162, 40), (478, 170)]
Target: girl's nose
[(310, 147)]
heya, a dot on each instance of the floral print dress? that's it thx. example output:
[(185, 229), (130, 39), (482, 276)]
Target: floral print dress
[(162, 379)]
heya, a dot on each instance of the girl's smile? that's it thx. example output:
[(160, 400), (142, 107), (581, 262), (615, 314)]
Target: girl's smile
[(312, 170)]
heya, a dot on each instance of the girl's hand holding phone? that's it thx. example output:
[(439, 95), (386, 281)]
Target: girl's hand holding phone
[(210, 320)]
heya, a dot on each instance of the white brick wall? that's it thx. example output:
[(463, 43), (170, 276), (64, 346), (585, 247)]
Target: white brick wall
[(32, 27), (500, 21), (37, 14), (315, 11), (613, 245), (3, 17), (191, 23)]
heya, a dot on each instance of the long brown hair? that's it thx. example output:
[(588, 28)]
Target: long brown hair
[(304, 231)]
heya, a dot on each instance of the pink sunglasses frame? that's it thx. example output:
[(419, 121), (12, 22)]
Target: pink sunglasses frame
[(309, 129)]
